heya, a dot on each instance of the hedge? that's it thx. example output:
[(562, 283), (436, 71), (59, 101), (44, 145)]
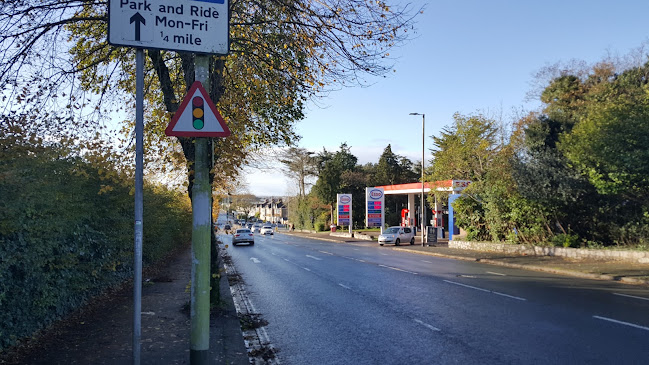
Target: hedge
[(66, 234)]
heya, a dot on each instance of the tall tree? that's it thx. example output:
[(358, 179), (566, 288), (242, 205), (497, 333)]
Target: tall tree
[(465, 150), (331, 170), (299, 165), (388, 170)]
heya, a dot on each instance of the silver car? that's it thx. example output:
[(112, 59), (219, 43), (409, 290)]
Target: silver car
[(397, 235), (242, 235)]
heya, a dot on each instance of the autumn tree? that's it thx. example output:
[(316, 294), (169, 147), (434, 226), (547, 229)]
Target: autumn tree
[(282, 53)]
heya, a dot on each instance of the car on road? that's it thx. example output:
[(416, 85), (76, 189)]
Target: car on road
[(397, 235), (243, 235), (256, 228), (267, 229)]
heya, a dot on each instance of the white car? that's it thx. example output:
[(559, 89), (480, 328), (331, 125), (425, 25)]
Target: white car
[(267, 229), (397, 235)]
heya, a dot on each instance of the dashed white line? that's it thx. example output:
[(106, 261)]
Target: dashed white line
[(286, 260), (328, 253), (426, 261), (485, 290), (345, 286), (427, 325), (630, 296), (313, 257), (624, 323), (307, 269), (397, 269), (496, 273)]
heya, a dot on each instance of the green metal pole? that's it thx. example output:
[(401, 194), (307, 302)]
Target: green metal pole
[(201, 191)]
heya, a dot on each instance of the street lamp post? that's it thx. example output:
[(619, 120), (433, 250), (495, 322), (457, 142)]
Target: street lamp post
[(423, 207)]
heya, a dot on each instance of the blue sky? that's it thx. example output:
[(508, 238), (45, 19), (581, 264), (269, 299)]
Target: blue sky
[(467, 57)]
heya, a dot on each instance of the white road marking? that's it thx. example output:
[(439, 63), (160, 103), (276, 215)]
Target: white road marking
[(468, 276), (624, 323), (359, 260), (426, 261), (630, 296), (397, 269), (345, 286), (328, 253), (307, 269), (384, 254), (286, 260), (427, 325), (496, 273), (485, 290), (313, 257), (255, 260)]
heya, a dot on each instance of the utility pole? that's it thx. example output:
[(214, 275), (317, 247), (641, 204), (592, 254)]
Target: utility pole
[(201, 192)]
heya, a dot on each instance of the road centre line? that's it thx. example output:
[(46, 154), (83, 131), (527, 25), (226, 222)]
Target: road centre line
[(307, 269), (485, 290), (345, 286), (630, 296), (397, 269), (426, 325), (624, 323), (328, 253), (496, 273), (426, 261), (313, 257)]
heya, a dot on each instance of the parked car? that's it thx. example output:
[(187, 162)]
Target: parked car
[(256, 228), (267, 229), (242, 235), (397, 235)]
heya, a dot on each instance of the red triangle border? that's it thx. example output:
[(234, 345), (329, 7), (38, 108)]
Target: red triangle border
[(181, 109)]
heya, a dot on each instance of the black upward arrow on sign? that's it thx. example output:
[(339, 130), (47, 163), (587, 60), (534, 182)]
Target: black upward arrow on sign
[(138, 19)]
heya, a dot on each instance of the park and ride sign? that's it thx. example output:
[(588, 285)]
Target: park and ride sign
[(199, 26), (374, 207)]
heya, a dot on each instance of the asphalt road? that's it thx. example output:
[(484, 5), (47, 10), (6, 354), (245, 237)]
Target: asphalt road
[(331, 303)]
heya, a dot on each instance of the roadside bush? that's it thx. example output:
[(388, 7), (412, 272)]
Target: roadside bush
[(66, 232), (566, 240)]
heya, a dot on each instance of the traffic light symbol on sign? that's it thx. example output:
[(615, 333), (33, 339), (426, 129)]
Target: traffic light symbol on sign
[(198, 113)]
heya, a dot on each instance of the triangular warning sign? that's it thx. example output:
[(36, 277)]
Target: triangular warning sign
[(197, 116)]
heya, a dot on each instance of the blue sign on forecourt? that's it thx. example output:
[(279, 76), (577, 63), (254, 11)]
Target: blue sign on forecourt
[(374, 209)]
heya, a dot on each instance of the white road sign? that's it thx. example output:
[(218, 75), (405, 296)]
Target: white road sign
[(199, 26)]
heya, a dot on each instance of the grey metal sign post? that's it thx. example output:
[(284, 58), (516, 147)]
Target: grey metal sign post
[(139, 203), (200, 26)]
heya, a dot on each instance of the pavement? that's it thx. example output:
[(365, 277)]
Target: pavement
[(619, 271), (101, 333)]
